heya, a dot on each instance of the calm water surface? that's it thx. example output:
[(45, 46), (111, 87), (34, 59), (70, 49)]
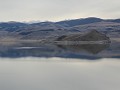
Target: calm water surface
[(59, 74), (60, 67)]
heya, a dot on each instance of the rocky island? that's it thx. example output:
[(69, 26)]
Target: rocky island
[(92, 37)]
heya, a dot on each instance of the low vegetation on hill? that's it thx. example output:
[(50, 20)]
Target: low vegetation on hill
[(53, 30)]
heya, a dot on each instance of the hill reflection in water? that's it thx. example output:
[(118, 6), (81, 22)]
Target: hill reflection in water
[(83, 51), (90, 48)]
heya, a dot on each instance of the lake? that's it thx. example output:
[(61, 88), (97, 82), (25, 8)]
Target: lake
[(37, 66)]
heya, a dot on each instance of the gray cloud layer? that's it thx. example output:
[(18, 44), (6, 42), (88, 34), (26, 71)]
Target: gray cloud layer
[(25, 10)]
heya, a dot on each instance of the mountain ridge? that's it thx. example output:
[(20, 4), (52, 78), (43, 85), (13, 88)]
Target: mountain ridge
[(79, 19), (52, 30)]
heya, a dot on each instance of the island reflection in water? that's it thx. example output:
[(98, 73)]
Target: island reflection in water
[(83, 51), (25, 66)]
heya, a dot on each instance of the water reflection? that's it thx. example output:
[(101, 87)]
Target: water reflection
[(90, 48), (86, 51), (59, 74)]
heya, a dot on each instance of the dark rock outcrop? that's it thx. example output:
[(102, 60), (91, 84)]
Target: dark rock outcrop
[(93, 35)]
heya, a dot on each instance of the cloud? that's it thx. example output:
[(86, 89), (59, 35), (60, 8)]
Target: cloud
[(25, 10)]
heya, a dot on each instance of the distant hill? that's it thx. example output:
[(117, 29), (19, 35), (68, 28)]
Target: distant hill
[(11, 26), (53, 30), (74, 22), (83, 21), (114, 20)]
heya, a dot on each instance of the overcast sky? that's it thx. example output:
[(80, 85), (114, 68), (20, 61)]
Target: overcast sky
[(55, 10)]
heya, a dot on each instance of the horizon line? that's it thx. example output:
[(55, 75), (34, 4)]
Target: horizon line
[(30, 21)]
